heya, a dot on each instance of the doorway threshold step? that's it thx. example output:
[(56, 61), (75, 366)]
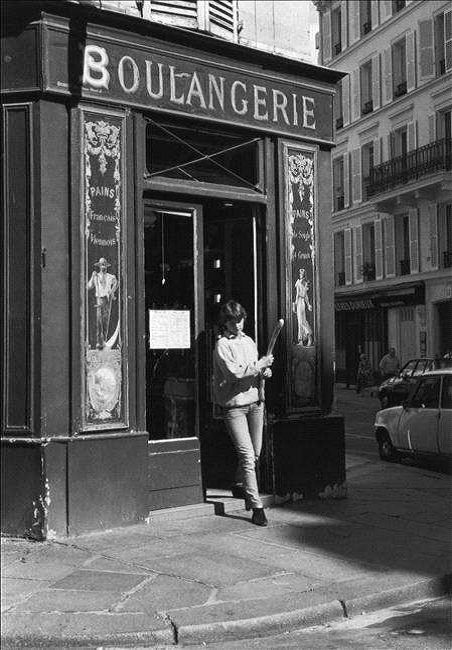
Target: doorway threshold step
[(224, 503), (180, 512)]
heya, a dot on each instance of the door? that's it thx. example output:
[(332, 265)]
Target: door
[(174, 321), (418, 427)]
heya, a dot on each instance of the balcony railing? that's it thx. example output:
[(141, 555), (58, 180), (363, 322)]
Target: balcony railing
[(433, 157), (447, 259)]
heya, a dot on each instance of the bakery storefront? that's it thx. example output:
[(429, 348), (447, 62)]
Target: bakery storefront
[(149, 174)]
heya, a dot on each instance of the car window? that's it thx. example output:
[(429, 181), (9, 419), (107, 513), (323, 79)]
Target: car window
[(420, 367), (446, 393), (408, 368), (426, 393)]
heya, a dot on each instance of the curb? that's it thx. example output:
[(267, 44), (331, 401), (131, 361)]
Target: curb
[(261, 626)]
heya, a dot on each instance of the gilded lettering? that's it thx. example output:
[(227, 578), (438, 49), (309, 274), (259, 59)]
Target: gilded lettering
[(135, 74), (218, 89), (173, 78), (279, 104), (152, 93), (260, 101), (195, 90), (244, 102), (308, 112), (95, 63)]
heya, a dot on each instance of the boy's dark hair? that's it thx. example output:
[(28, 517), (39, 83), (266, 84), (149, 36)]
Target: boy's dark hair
[(230, 311)]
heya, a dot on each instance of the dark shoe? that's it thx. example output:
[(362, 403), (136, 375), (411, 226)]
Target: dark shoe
[(238, 492), (259, 517)]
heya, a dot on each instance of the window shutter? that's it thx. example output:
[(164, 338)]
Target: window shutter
[(414, 240), (346, 182), (426, 50), (374, 13), (389, 246), (356, 176), (386, 10), (378, 250), (353, 21), (356, 112), (433, 211), (358, 233), (377, 152), (181, 13), (344, 24), (432, 128), (410, 62), (348, 255), (448, 39), (376, 82), (222, 18), (346, 99), (411, 136), (326, 24), (387, 76)]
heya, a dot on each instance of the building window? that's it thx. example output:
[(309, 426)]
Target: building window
[(339, 259), (365, 17), (398, 5), (399, 142), (402, 245), (365, 80), (338, 112), (368, 269), (336, 28), (445, 235), (399, 79), (443, 42), (338, 183), (367, 162)]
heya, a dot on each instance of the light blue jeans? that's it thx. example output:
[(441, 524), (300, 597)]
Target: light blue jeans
[(244, 425)]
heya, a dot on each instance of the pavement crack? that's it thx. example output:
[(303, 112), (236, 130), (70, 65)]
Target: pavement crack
[(167, 618)]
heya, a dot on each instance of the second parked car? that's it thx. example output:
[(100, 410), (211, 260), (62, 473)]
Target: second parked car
[(395, 390)]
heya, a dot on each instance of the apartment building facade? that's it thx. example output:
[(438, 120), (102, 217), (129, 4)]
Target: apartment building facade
[(392, 179)]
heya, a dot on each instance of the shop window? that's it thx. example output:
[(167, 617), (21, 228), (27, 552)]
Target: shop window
[(365, 79), (338, 183), (402, 245), (367, 162), (188, 152), (368, 270), (339, 259), (365, 16), (399, 77), (336, 27)]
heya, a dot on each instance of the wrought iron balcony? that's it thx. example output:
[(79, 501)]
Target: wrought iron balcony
[(431, 158)]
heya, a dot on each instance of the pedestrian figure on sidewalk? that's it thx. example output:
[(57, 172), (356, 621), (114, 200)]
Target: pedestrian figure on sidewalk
[(363, 375), (238, 376), (389, 365)]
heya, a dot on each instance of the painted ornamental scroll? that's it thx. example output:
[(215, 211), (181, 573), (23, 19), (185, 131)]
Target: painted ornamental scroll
[(105, 404), (299, 165)]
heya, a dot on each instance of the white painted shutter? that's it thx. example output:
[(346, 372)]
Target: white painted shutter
[(326, 24), (358, 236), (356, 176), (378, 250), (385, 10), (180, 13), (375, 14), (414, 240), (387, 76), (426, 50), (353, 21), (432, 127), (411, 136), (348, 255), (389, 246), (346, 181), (222, 18), (355, 93), (376, 91), (346, 99), (448, 39), (410, 62), (344, 22), (433, 223)]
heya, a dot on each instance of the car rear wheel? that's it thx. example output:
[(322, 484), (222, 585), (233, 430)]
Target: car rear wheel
[(385, 447)]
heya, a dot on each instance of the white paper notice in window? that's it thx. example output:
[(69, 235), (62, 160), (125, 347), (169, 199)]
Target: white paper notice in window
[(169, 329)]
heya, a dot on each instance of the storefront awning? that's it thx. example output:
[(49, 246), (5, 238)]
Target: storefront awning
[(412, 293)]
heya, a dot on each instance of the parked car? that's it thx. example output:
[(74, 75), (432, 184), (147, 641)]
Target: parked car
[(423, 424), (395, 390)]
